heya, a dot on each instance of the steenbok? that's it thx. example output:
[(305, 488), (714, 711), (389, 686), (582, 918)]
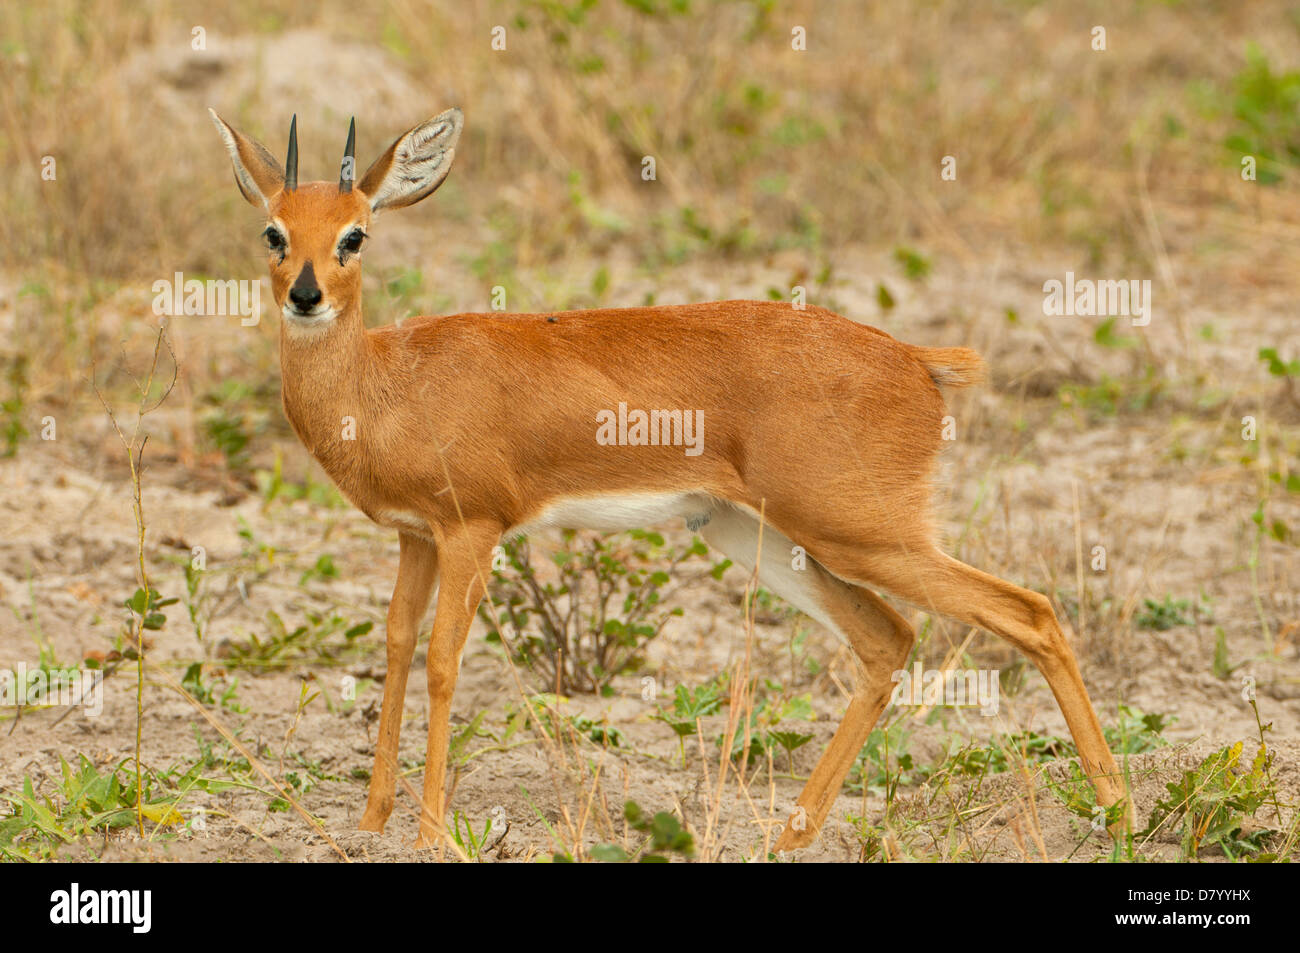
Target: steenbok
[(472, 427)]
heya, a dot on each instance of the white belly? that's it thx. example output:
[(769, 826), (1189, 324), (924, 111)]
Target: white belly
[(608, 513), (408, 521)]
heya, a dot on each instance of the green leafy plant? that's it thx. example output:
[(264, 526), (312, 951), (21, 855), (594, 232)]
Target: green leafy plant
[(1133, 732), (1266, 106), (1110, 396), (272, 485), (884, 763), (594, 620), (469, 841), (915, 265), (772, 723), (1278, 367), (1006, 750), (1079, 797), (85, 801), (196, 598), (1221, 665), (601, 732), (323, 569), (1108, 337), (1163, 616), (1274, 528), (300, 782), (229, 433), (212, 691), (1214, 804), (664, 834), (557, 723), (769, 724), (146, 609), (689, 705)]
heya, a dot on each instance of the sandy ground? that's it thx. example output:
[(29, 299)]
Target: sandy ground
[(1162, 489)]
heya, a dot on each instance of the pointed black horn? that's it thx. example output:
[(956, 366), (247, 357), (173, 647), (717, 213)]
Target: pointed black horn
[(291, 162), (349, 170)]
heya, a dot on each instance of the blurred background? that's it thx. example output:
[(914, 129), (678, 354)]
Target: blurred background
[(1125, 160)]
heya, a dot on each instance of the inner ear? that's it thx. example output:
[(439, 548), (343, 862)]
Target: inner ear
[(415, 164), (257, 173)]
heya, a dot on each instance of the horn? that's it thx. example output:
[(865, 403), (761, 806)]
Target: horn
[(291, 162), (348, 172)]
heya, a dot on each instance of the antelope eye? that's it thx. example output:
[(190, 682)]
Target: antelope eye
[(274, 240), (351, 243)]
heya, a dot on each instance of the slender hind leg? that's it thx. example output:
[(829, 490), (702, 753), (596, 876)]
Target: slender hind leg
[(936, 581), (879, 637), (882, 640)]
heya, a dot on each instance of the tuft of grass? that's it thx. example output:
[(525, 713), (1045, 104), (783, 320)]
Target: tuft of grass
[(13, 407), (321, 639), (1166, 615)]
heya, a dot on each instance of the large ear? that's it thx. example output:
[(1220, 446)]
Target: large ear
[(415, 164), (257, 173)]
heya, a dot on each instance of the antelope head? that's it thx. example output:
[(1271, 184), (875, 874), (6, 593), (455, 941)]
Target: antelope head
[(315, 230)]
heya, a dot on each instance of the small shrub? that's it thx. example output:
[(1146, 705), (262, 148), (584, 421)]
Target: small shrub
[(596, 619)]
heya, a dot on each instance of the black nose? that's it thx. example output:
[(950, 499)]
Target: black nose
[(304, 299), (305, 293)]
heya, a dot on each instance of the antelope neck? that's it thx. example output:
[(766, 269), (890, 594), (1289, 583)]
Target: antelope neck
[(322, 376)]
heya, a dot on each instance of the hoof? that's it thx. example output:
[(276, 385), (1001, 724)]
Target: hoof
[(792, 839)]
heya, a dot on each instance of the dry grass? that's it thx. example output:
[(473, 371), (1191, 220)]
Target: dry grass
[(758, 146)]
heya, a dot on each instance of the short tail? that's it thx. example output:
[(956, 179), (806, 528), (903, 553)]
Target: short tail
[(952, 366)]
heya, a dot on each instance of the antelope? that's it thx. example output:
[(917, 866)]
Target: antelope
[(474, 427)]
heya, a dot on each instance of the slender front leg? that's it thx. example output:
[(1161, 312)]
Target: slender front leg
[(465, 555), (416, 573)]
